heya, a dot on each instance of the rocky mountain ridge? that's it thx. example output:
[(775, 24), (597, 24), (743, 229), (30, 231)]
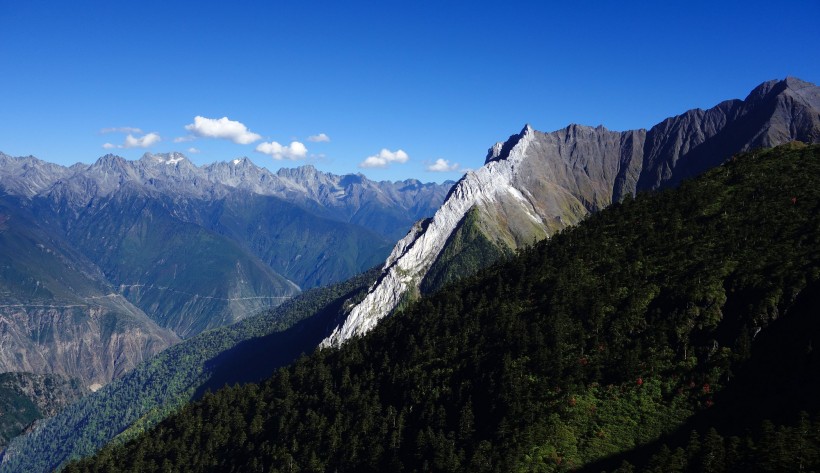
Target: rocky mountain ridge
[(104, 265), (351, 197), (536, 183)]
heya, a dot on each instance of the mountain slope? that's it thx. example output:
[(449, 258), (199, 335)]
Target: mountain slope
[(535, 183), (607, 336), (182, 275), (200, 247), (58, 313), (98, 260), (248, 351), (314, 251), (26, 397)]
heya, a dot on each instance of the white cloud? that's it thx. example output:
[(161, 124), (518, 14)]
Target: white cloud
[(193, 150), (222, 128), (320, 138), (442, 165), (121, 129), (183, 139), (384, 158), (131, 141), (142, 142), (294, 151)]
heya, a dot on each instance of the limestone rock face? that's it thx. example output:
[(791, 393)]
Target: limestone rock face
[(535, 183)]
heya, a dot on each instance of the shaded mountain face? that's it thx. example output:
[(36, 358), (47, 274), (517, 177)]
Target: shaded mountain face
[(536, 183), (109, 263)]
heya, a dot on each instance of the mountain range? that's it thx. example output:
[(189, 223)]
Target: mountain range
[(535, 184), (532, 187), (104, 265), (672, 331)]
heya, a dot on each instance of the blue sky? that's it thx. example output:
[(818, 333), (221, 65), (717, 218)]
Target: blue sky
[(410, 86)]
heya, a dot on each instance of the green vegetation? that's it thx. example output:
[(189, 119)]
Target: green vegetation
[(467, 250), (769, 449), (247, 351), (309, 250), (16, 411), (605, 345), (26, 397), (185, 277)]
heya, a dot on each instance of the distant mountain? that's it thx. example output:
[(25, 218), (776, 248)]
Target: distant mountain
[(693, 309), (535, 184), (58, 314), (105, 257), (387, 208)]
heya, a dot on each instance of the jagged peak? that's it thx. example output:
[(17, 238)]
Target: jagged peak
[(300, 171), (797, 83), (777, 86), (29, 158), (238, 162), (575, 129), (109, 160), (501, 150)]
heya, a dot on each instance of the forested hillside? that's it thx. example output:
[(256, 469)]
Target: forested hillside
[(26, 397), (687, 309), (248, 351)]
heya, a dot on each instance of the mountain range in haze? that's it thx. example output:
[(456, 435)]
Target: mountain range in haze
[(104, 265)]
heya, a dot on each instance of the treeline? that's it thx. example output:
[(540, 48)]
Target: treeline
[(619, 333)]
